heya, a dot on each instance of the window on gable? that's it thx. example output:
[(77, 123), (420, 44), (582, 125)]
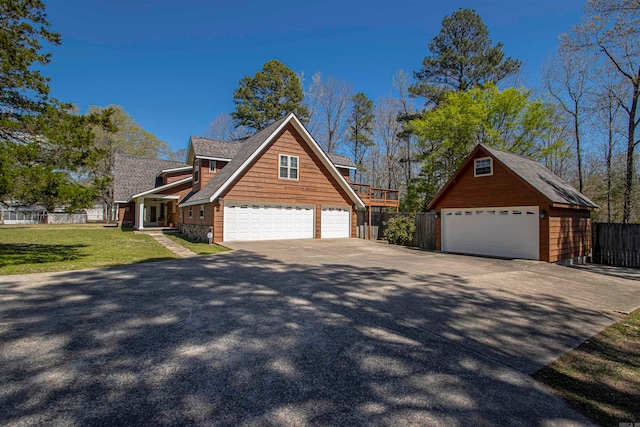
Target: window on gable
[(196, 170), (212, 165), (201, 211), (483, 167), (288, 167)]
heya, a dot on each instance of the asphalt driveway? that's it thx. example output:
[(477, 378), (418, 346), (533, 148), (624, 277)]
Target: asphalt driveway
[(342, 332)]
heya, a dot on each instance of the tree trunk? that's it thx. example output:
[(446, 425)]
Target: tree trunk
[(631, 145), (576, 129)]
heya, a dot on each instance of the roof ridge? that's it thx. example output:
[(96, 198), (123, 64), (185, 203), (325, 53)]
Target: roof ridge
[(234, 141), (148, 158)]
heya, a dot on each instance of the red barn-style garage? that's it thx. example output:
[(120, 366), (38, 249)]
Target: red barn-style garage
[(504, 205)]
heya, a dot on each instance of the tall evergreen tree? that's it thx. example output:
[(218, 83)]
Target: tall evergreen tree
[(267, 96), (360, 129), (44, 145), (462, 56)]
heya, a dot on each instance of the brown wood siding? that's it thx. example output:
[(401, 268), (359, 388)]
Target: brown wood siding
[(205, 173), (197, 185), (180, 191), (502, 188), (177, 176), (126, 215), (314, 186), (208, 215), (564, 233), (218, 226), (345, 173), (569, 233)]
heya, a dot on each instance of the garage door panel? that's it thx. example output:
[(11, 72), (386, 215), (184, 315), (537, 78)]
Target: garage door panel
[(260, 221), (335, 222), (507, 231)]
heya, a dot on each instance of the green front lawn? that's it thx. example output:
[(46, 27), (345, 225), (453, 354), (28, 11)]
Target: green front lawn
[(601, 378), (45, 248), (197, 247)]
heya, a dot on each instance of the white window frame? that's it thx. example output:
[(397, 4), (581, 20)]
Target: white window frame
[(475, 167), (202, 210), (191, 211), (212, 163), (196, 170), (288, 167)]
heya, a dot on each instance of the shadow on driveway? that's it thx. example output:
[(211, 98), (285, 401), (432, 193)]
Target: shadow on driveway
[(238, 339)]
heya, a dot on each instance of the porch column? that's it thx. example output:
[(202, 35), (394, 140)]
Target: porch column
[(140, 213)]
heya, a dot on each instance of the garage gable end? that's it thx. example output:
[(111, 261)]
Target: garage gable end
[(499, 186), (252, 153), (507, 178), (289, 170)]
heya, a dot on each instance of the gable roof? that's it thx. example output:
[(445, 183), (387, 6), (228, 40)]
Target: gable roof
[(533, 173), (341, 161), (214, 148), (134, 175), (250, 149)]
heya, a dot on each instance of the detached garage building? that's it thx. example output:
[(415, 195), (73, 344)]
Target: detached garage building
[(501, 204)]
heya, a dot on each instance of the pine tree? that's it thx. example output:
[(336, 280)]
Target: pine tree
[(360, 129), (462, 56), (267, 96)]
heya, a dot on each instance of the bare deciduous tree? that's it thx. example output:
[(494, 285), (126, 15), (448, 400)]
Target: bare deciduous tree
[(386, 130), (611, 30), (224, 128), (329, 100), (566, 78)]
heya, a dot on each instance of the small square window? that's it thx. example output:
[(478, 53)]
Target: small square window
[(212, 165), (196, 170), (483, 167), (288, 167), (201, 211)]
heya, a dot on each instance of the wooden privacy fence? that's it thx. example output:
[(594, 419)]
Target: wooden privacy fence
[(616, 244), (424, 236)]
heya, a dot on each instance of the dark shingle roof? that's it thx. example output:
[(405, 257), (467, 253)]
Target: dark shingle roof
[(247, 148), (133, 174), (205, 147), (542, 179), (338, 159)]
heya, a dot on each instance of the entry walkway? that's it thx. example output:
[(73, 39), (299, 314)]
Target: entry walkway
[(158, 236)]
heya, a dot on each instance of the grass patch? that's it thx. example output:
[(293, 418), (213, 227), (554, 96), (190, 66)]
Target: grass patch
[(46, 248), (197, 247), (601, 378)]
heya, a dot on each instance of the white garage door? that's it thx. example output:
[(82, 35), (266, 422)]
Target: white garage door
[(335, 222), (511, 232), (267, 221)]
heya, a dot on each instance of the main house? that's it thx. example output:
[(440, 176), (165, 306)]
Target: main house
[(276, 184)]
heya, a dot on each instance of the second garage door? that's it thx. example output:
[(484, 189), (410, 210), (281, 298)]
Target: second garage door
[(267, 221), (511, 232), (335, 222)]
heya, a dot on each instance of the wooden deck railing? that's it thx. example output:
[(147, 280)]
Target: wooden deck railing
[(372, 196)]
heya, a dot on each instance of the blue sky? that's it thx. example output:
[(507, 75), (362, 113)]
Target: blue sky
[(173, 65)]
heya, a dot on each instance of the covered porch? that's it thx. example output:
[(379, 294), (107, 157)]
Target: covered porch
[(158, 210)]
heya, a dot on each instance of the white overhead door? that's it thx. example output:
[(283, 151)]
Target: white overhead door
[(335, 222), (267, 221), (511, 232)]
